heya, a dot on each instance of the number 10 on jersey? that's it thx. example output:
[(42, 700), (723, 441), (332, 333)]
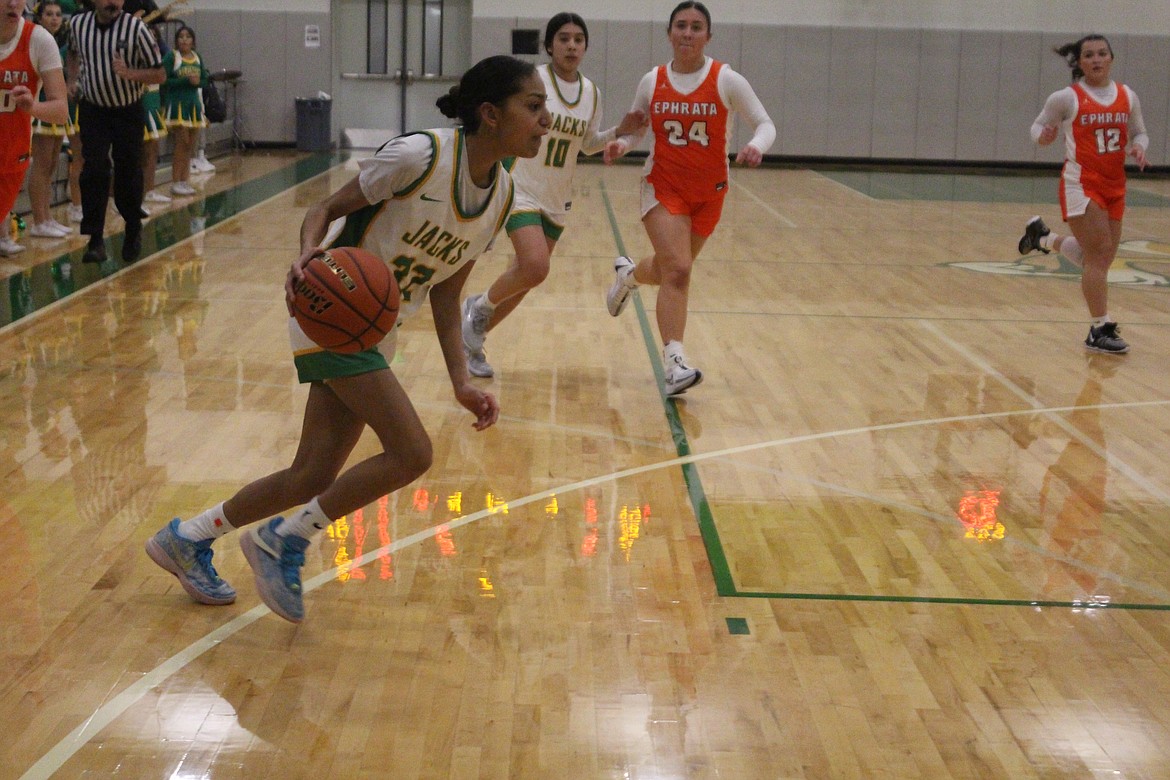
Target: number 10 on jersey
[(558, 150)]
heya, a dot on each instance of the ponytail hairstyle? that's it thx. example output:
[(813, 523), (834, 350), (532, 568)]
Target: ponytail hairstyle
[(557, 22), (491, 80), (684, 5), (1072, 52)]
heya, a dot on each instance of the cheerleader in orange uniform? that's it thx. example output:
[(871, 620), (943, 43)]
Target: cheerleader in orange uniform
[(1102, 124), (689, 102)]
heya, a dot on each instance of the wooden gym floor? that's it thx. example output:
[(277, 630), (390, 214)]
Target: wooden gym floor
[(907, 527)]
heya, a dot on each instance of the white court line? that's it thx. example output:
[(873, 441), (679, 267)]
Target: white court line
[(760, 202), (1076, 433), (853, 191), (56, 756)]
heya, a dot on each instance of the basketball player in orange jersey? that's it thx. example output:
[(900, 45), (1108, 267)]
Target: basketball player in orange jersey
[(447, 182), (28, 57), (1102, 124), (689, 101)]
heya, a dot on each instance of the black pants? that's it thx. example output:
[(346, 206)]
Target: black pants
[(106, 130)]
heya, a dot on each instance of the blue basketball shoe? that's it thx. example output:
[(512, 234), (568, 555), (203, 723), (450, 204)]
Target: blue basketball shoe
[(276, 561), (191, 563)]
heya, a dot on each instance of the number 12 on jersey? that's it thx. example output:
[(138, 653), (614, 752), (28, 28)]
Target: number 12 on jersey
[(1108, 140)]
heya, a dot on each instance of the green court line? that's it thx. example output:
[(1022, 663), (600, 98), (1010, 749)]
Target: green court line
[(57, 278), (737, 625), (720, 570), (717, 557)]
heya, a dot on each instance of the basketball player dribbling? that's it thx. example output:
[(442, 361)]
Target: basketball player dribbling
[(447, 182), (1102, 124), (689, 101)]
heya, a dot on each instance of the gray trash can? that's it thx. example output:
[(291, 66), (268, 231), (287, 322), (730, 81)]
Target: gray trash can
[(314, 121)]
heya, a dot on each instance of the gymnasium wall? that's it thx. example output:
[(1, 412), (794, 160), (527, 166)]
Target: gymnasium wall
[(861, 79), (1112, 16), (294, 6), (269, 48), (877, 92)]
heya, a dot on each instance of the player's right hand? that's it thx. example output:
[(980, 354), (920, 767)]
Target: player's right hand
[(120, 66), (296, 273), (613, 150)]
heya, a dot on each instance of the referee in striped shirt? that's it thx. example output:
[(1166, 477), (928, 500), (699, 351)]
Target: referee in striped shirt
[(111, 57)]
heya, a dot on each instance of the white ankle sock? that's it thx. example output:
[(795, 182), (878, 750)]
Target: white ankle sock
[(305, 522), (631, 282), (1071, 249), (210, 524), (672, 350), (485, 305), (1099, 321)]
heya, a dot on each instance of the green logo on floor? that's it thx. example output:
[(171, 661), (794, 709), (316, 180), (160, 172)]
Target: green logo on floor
[(1139, 263)]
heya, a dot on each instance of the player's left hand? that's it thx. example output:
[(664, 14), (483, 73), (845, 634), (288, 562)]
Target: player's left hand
[(749, 156), (632, 123), (483, 405), (23, 97), (120, 66), (613, 150), (1139, 155)]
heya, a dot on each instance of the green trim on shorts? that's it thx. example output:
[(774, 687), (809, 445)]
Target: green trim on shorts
[(323, 365), (519, 219)]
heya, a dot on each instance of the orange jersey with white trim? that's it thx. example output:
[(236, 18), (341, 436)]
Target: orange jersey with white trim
[(1096, 141), (16, 126), (690, 136)]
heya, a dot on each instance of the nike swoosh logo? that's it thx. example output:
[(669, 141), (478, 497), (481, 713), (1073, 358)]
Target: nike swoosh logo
[(432, 200)]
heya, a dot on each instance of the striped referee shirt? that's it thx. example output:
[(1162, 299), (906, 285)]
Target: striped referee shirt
[(94, 46)]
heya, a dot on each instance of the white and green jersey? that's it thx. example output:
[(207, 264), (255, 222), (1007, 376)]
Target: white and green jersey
[(544, 183), (426, 218)]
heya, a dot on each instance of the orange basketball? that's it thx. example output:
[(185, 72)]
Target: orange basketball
[(348, 300)]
